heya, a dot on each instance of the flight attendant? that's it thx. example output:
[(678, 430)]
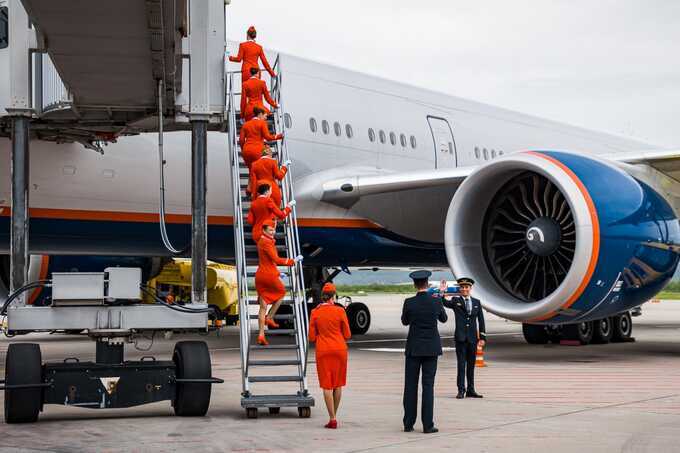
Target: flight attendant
[(267, 171), (250, 53), (270, 288), (253, 135), (252, 94), (329, 329), (264, 210)]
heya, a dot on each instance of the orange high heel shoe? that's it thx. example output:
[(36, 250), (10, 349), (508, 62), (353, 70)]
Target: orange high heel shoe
[(271, 323), (261, 340)]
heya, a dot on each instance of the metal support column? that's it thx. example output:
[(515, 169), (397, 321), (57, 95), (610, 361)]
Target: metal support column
[(19, 227), (199, 217)]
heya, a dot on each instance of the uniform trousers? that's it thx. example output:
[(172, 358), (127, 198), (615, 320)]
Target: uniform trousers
[(414, 365), (466, 354)]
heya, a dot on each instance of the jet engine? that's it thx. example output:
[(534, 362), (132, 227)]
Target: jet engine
[(554, 237)]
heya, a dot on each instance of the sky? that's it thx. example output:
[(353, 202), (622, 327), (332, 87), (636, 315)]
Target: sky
[(609, 65)]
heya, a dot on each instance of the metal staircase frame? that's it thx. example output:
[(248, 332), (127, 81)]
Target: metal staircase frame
[(296, 288)]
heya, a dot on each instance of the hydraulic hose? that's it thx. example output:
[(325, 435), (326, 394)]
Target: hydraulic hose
[(209, 310), (164, 232), (19, 291)]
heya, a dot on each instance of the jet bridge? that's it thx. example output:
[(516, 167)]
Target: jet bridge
[(90, 71)]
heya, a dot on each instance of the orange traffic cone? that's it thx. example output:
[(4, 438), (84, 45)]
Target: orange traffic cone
[(479, 359)]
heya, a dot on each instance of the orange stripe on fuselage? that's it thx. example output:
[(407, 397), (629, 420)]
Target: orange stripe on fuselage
[(142, 217), (596, 236)]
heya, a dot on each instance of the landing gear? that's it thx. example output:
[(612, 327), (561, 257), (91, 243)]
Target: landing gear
[(622, 327), (535, 334), (359, 318)]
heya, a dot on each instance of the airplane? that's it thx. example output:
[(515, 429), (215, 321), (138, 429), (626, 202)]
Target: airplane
[(564, 229)]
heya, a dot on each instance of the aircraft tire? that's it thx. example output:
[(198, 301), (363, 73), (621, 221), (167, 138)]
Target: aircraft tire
[(359, 318), (603, 330), (192, 361), (622, 327), (535, 334), (23, 366), (581, 332)]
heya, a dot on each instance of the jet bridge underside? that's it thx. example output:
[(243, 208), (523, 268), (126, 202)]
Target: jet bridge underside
[(99, 63)]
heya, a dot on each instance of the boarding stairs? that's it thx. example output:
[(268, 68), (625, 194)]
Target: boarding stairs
[(274, 376)]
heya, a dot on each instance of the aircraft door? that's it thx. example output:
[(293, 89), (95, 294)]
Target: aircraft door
[(444, 145)]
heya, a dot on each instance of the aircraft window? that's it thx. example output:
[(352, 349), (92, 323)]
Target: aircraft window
[(477, 155), (493, 153), (383, 138), (393, 138), (371, 134), (4, 28), (402, 139), (337, 128), (349, 131), (413, 141), (486, 154), (287, 120), (325, 127), (312, 124)]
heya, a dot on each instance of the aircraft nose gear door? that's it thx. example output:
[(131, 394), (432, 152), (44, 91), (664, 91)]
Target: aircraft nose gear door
[(444, 144)]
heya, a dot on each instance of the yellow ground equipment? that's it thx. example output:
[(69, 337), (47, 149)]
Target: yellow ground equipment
[(175, 279)]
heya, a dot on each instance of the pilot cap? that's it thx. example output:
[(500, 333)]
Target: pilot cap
[(329, 288), (465, 281), (420, 275)]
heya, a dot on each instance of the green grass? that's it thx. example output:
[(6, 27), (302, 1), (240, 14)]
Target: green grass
[(668, 295), (350, 290)]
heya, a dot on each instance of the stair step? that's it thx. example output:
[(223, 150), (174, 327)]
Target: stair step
[(274, 378), (284, 302), (279, 332), (276, 317), (258, 347), (252, 274), (277, 401), (273, 362), (253, 248)]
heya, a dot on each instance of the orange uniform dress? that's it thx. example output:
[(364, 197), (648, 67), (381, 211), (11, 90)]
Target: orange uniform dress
[(252, 137), (267, 171), (252, 94), (262, 210), (329, 328), (250, 53), (267, 280)]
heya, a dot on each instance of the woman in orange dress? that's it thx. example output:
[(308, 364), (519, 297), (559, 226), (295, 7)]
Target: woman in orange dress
[(253, 94), (264, 210), (270, 288), (252, 137), (266, 171), (250, 53), (329, 328)]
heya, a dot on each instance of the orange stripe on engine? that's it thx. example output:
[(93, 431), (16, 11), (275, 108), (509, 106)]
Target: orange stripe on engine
[(596, 236), (142, 217)]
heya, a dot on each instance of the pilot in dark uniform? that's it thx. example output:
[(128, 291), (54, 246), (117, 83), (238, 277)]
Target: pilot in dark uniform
[(468, 313), (423, 347)]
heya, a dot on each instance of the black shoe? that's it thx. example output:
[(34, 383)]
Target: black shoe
[(408, 429), (473, 394), (460, 395), (431, 430)]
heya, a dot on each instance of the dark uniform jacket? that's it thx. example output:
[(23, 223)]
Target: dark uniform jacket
[(466, 325), (421, 313)]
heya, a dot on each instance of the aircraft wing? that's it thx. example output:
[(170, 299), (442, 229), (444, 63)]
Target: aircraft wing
[(665, 161)]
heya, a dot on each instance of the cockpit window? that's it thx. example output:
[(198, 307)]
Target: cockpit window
[(4, 28)]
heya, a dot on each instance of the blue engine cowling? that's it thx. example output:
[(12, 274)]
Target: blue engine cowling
[(557, 237)]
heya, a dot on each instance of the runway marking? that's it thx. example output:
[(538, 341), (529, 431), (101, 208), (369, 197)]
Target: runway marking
[(518, 422)]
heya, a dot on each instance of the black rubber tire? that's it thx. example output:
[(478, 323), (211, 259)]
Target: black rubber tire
[(581, 332), (535, 334), (603, 331), (305, 412), (23, 365), (622, 327), (274, 410), (192, 361), (359, 317), (251, 412)]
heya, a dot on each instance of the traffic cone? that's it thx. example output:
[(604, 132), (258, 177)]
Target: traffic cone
[(479, 359)]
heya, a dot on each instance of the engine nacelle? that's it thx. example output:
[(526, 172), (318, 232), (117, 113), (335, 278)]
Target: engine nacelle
[(556, 237)]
